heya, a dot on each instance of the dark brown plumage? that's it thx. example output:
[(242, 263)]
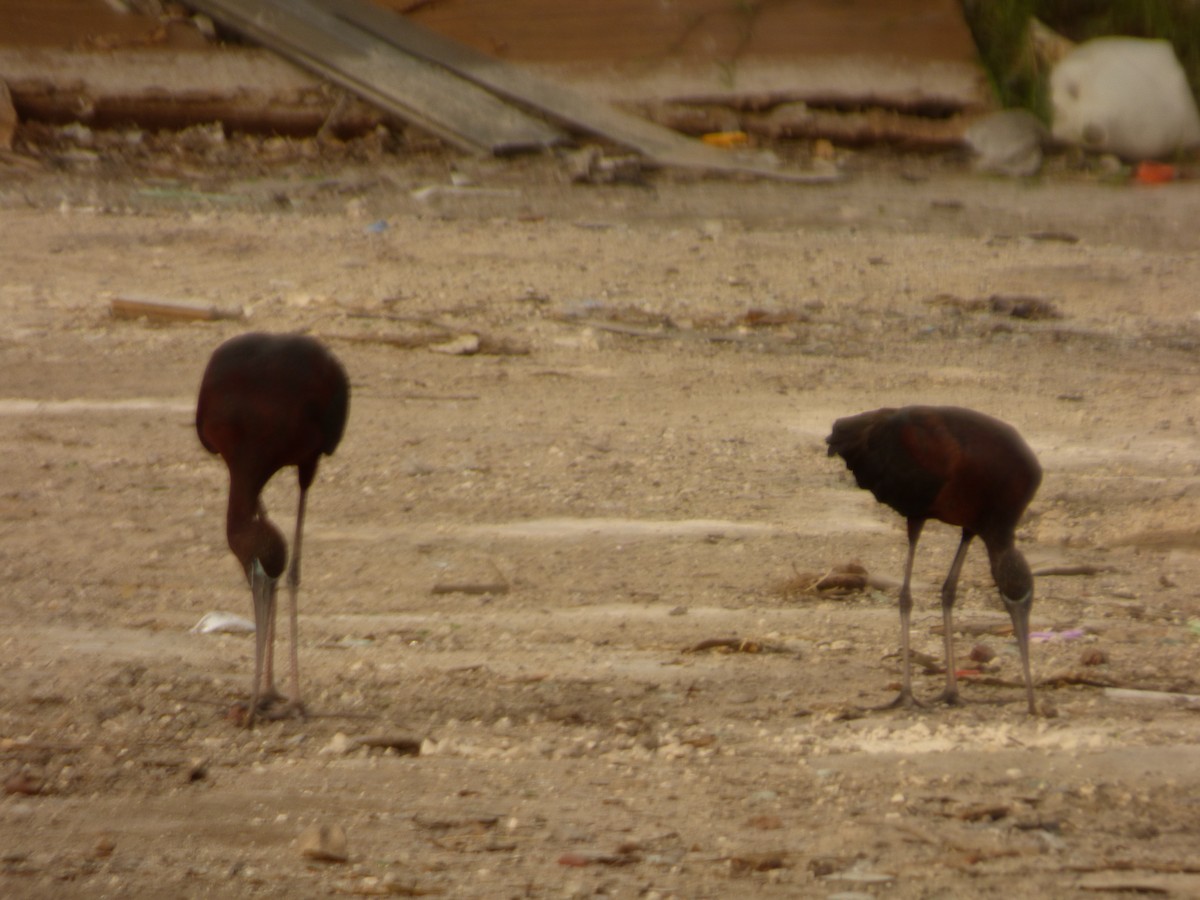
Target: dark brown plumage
[(965, 469), (266, 402)]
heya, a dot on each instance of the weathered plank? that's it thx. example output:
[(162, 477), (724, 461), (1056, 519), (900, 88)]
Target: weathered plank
[(8, 117), (246, 89), (427, 95), (660, 145)]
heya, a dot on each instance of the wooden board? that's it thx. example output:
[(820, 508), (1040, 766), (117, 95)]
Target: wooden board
[(660, 145), (246, 89), (909, 55), (427, 95)]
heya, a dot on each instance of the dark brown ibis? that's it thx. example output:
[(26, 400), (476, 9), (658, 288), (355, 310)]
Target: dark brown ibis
[(268, 401), (965, 469)]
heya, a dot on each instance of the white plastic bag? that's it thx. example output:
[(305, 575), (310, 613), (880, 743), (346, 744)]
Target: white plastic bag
[(1126, 96)]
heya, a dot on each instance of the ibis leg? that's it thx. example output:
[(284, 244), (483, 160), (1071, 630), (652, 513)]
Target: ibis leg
[(293, 596), (949, 593), (905, 697), (268, 694), (262, 588)]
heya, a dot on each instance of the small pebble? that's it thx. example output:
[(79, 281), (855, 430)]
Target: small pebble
[(326, 843)]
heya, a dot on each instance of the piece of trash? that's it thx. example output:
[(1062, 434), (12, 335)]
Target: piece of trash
[(591, 166), (1127, 96), (1150, 172), (326, 843), (377, 227), (463, 345), (726, 138), (1021, 306), (1191, 701), (1008, 142), (222, 623), (470, 587), (1070, 634), (841, 580), (155, 310), (431, 192)]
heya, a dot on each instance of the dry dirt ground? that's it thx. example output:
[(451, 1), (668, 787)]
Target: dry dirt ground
[(515, 552)]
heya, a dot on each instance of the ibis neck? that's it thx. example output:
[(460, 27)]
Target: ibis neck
[(1010, 570), (252, 536)]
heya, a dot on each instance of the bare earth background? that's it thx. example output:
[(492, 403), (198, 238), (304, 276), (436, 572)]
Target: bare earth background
[(633, 464)]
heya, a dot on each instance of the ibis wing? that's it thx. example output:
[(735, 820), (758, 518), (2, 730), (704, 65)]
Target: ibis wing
[(879, 453)]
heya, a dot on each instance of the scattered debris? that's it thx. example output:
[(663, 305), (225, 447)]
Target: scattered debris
[(591, 166), (991, 627), (1074, 569), (1076, 679), (798, 120), (24, 783), (1140, 883), (725, 139), (765, 823), (222, 623), (578, 860), (1151, 172), (435, 191), (1062, 237), (324, 843), (1190, 701), (441, 341), (1008, 142), (757, 862), (986, 813), (470, 587), (1070, 634), (756, 317), (842, 580), (981, 653), (1020, 306), (463, 345), (734, 645), (169, 311)]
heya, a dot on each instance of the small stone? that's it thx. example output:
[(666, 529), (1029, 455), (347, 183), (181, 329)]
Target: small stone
[(338, 745), (326, 843), (463, 345), (982, 653), (1094, 657), (24, 783)]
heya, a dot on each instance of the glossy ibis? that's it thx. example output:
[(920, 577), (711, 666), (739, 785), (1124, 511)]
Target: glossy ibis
[(269, 401), (961, 467)]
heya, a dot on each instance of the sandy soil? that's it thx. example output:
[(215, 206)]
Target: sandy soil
[(632, 464)]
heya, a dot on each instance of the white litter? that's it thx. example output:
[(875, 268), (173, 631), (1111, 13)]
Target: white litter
[(222, 623), (1127, 96)]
